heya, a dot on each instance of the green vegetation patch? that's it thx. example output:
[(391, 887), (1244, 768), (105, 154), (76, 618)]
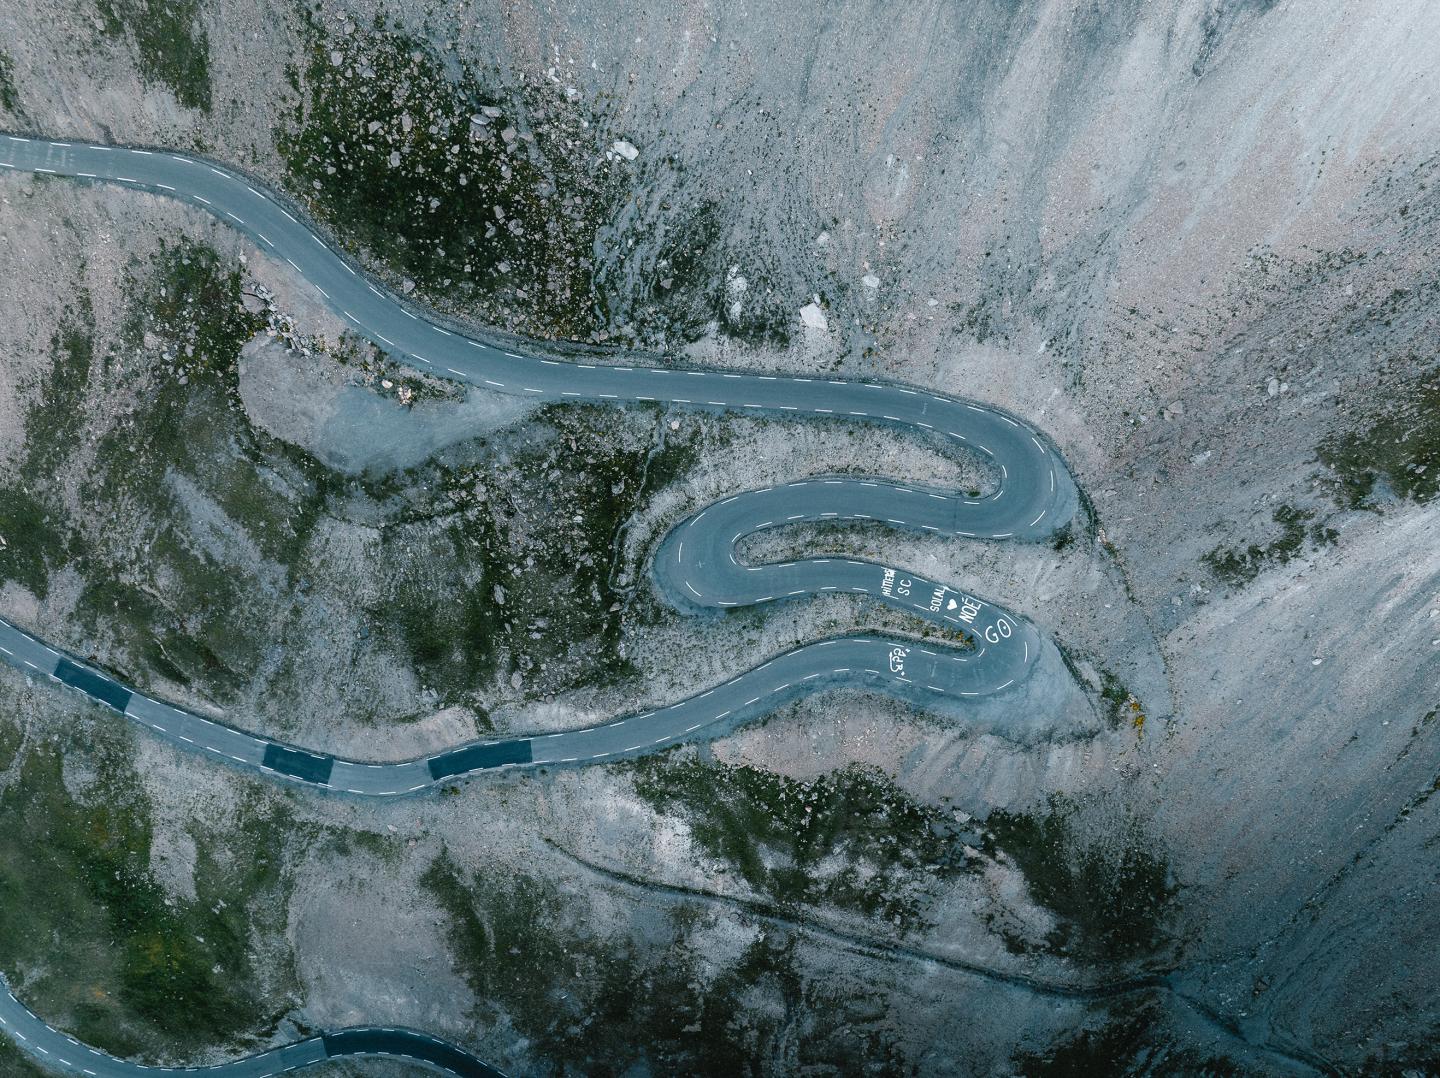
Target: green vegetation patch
[(429, 166), (1400, 446), (35, 536), (1127, 1043), (35, 539), (552, 613), (1119, 704), (850, 839), (1112, 896), (15, 1064), (170, 42), (601, 1006), (1237, 566), (169, 599), (93, 939), (54, 420), (9, 96)]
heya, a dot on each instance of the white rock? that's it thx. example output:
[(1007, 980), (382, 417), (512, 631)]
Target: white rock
[(870, 281), (1273, 387), (394, 158), (625, 149), (336, 58), (813, 317)]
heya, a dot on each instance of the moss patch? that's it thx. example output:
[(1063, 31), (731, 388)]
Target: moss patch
[(16, 1064), (36, 537), (1237, 566), (95, 941), (550, 612), (1128, 1042), (449, 177), (171, 45), (595, 1005), (36, 541), (850, 839), (1113, 897), (1119, 704), (9, 95), (166, 597), (1398, 447)]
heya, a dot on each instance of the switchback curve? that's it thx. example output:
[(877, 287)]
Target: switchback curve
[(696, 565)]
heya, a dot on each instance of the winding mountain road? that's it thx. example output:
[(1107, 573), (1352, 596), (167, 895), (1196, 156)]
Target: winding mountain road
[(696, 565)]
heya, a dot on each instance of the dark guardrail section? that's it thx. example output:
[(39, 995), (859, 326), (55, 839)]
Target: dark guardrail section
[(477, 757), (93, 685), (302, 765)]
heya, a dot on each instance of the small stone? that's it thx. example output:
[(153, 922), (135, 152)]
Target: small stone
[(394, 158), (373, 126), (813, 317), (509, 134), (499, 593), (336, 58), (870, 281), (625, 149), (1316, 662), (674, 424), (1272, 387)]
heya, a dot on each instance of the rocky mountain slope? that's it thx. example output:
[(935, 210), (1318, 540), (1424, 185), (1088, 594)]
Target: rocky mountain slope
[(1194, 241)]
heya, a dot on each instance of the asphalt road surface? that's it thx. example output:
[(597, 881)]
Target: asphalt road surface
[(696, 566)]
